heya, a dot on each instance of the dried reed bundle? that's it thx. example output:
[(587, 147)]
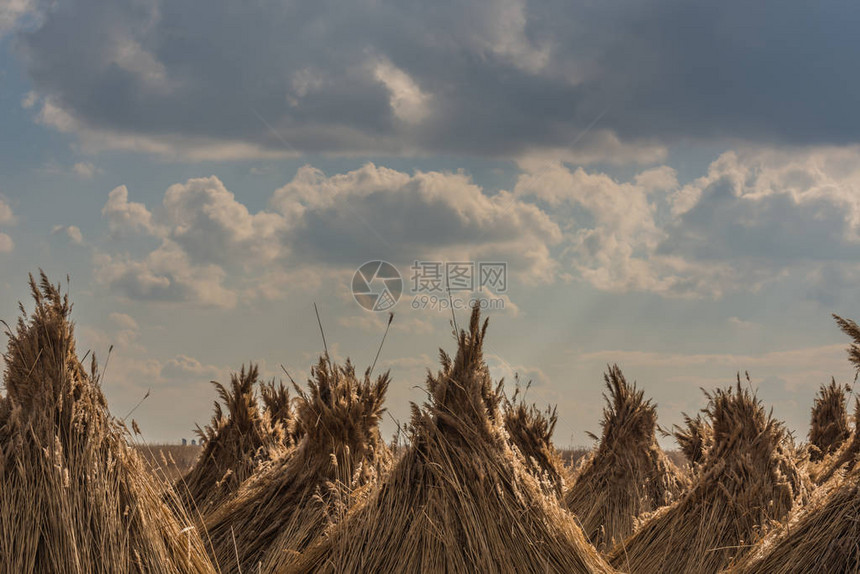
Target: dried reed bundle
[(281, 510), (695, 440), (278, 406), (530, 430), (820, 537), (828, 429), (460, 499), (629, 474), (74, 496), (235, 443), (845, 458), (747, 481)]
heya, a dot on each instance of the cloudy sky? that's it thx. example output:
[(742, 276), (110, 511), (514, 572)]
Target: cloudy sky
[(673, 186)]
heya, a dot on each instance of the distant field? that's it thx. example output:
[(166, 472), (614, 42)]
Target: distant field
[(173, 460), (571, 456)]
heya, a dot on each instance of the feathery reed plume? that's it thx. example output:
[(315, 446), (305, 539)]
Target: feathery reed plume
[(828, 428), (278, 406), (530, 430), (74, 496), (279, 511), (695, 439), (747, 481), (629, 474), (236, 442), (851, 329), (459, 499)]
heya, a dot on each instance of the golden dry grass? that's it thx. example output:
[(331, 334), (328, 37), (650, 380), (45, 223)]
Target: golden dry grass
[(747, 481), (828, 429), (169, 461), (286, 506), (628, 474), (74, 496), (530, 432), (236, 442), (695, 439), (459, 499), (306, 484), (823, 536)]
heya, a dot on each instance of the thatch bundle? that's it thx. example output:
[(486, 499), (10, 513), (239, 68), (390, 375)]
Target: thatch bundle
[(235, 444), (842, 460), (74, 496), (845, 458), (530, 431), (278, 407), (628, 474), (747, 480), (828, 428), (822, 536), (694, 439), (281, 510), (459, 499)]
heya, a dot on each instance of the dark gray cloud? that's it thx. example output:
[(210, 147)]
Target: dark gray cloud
[(501, 78)]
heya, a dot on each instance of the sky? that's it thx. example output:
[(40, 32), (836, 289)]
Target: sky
[(671, 186)]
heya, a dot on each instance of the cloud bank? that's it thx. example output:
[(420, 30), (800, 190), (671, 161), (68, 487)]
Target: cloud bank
[(491, 78)]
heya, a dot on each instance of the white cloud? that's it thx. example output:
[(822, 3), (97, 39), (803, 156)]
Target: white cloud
[(407, 100), (71, 232), (6, 218), (185, 366), (756, 217), (129, 55), (124, 216), (85, 170), (168, 146), (205, 219), (124, 321), (612, 248), (318, 224), (6, 215), (29, 100), (380, 213), (165, 275), (14, 11), (506, 37), (6, 243)]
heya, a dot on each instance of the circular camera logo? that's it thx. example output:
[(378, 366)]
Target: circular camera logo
[(377, 285)]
